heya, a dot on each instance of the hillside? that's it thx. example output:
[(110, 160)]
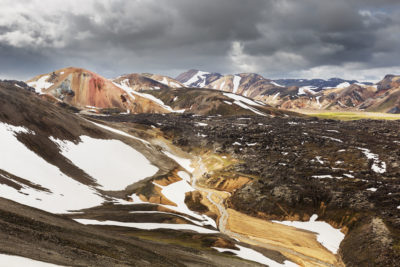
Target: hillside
[(61, 175), (204, 185), (304, 94), (84, 89)]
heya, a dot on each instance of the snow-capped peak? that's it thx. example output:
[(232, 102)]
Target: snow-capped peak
[(198, 79)]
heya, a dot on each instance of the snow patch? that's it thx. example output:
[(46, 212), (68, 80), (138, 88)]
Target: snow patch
[(277, 84), (328, 236), (198, 79), (306, 89), (221, 87), (124, 85), (377, 165), (17, 261), (242, 99), (149, 226), (112, 163), (24, 163), (184, 162), (333, 139), (323, 176), (41, 84), (240, 104), (343, 85), (275, 96), (236, 82)]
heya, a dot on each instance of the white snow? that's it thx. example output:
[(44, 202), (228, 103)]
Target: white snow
[(236, 144), (319, 103), (118, 132), (164, 81), (277, 84), (184, 175), (304, 89), (236, 82), (328, 236), (124, 85), (196, 78), (343, 85), (252, 255), (149, 226), (22, 162), (17, 261), (176, 193), (242, 99), (333, 131), (221, 87), (377, 165), (251, 144), (318, 158), (323, 176), (41, 84), (348, 175), (372, 189), (227, 102), (201, 124), (333, 139), (170, 213), (158, 101), (240, 104), (184, 162), (275, 96), (174, 85), (112, 163)]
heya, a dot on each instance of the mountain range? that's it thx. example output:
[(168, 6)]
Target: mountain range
[(202, 170), (135, 93)]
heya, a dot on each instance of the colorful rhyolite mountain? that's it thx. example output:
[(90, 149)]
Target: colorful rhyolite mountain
[(135, 93), (140, 93), (85, 89), (332, 94)]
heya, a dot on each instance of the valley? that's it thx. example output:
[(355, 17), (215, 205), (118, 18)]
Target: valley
[(214, 177), (188, 133)]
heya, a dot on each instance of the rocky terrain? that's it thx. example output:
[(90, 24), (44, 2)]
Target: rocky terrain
[(75, 192), (207, 176), (345, 172)]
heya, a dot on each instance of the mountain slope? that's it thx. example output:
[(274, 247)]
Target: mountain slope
[(53, 161), (212, 102), (304, 94), (87, 90)]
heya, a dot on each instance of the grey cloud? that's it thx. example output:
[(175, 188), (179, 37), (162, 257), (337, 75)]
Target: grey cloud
[(276, 37)]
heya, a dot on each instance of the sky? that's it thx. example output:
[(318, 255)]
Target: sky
[(352, 39)]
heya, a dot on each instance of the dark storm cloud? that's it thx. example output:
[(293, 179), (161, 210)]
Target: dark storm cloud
[(276, 38)]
